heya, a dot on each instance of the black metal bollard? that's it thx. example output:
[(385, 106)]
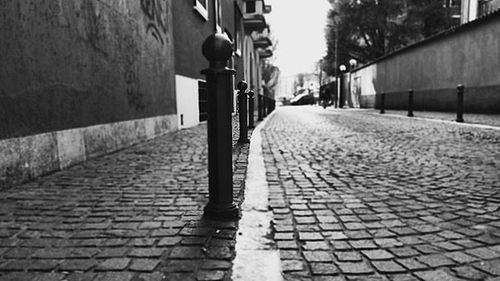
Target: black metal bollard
[(260, 105), (410, 103), (242, 106), (382, 103), (460, 103), (264, 106), (217, 49), (251, 96)]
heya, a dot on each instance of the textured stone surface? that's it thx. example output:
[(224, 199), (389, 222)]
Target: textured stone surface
[(132, 215), (392, 198)]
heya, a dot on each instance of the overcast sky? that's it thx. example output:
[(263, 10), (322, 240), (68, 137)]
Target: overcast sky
[(299, 27)]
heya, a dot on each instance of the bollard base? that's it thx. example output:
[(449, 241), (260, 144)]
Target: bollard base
[(221, 211), (251, 127), (410, 115), (459, 120)]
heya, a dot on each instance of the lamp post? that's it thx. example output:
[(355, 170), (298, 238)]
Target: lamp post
[(352, 64), (340, 100)]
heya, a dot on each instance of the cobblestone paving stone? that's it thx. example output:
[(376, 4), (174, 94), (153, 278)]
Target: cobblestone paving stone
[(135, 215), (356, 196)]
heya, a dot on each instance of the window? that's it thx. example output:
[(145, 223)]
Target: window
[(250, 7), (201, 6)]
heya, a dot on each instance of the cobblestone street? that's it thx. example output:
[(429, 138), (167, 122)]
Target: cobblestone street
[(362, 196), (355, 195), (134, 215)]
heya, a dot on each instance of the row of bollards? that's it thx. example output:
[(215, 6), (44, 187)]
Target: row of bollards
[(410, 103), (242, 111), (460, 103), (251, 105), (263, 109), (218, 49), (459, 108)]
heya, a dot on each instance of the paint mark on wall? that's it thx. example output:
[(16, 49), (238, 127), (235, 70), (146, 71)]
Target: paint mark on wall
[(95, 27), (130, 53), (157, 15)]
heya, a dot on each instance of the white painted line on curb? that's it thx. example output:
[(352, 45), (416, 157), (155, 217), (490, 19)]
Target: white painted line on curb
[(255, 259)]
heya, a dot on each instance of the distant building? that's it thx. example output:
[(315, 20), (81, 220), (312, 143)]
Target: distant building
[(473, 9)]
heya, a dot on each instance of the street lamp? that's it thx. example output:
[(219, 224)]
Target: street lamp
[(352, 64), (342, 69)]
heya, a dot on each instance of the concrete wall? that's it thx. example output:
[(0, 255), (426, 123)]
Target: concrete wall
[(82, 76), (469, 56)]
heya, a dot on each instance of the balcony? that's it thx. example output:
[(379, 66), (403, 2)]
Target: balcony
[(265, 53), (262, 42), (254, 23), (253, 15)]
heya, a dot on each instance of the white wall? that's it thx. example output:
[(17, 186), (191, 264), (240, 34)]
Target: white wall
[(188, 111), (469, 10), (367, 76)]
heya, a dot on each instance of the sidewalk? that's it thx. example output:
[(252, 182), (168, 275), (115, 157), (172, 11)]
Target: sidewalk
[(469, 118), (128, 216)]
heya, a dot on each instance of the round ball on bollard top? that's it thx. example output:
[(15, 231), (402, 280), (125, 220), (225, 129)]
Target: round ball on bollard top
[(251, 94), (217, 47), (242, 86)]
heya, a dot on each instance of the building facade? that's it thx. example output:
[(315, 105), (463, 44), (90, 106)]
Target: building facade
[(84, 78), (473, 9), (242, 21), (80, 79)]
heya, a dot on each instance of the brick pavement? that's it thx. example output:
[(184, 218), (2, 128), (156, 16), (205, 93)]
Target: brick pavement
[(135, 215), (356, 196)]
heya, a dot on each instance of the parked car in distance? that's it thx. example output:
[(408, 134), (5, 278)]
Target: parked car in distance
[(302, 99)]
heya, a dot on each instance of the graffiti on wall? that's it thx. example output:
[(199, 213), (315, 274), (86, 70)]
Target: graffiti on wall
[(157, 16), (130, 54)]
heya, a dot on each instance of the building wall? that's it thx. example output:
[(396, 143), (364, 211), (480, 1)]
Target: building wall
[(364, 81), (469, 56), (238, 34), (190, 31), (93, 73), (472, 9)]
